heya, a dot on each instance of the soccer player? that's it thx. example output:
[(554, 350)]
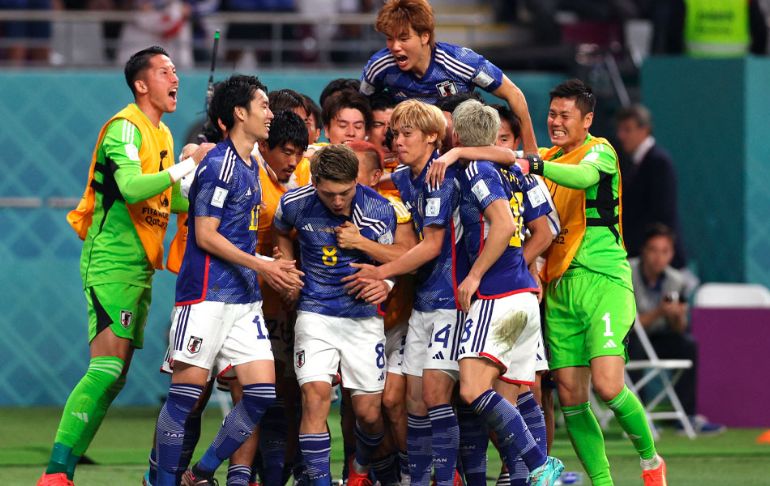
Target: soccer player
[(502, 331), (415, 66), (595, 292), (430, 351), (218, 301), (336, 329), (347, 116), (397, 308), (128, 200), (282, 152), (589, 286)]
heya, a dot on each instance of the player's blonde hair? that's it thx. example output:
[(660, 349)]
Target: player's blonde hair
[(396, 16), (475, 124), (419, 116)]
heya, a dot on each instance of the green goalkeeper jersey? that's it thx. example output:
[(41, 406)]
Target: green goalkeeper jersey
[(602, 248), (112, 250)]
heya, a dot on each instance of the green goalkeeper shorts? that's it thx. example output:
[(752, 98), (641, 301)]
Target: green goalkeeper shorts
[(587, 315), (121, 307)]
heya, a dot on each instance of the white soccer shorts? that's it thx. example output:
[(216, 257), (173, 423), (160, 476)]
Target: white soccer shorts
[(507, 332), (355, 346), (208, 332), (432, 342)]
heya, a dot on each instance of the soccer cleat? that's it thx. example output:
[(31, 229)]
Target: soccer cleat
[(356, 478), (190, 479), (657, 476), (146, 479), (58, 479), (458, 479), (547, 474)]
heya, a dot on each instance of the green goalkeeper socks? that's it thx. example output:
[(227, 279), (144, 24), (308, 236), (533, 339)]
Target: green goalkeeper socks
[(630, 414), (588, 441), (84, 411)]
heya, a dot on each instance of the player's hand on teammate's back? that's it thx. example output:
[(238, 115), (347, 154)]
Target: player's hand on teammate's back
[(347, 235), (282, 275), (465, 291), (201, 152)]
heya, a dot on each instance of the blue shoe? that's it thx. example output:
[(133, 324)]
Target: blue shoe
[(146, 479), (702, 426), (547, 474)]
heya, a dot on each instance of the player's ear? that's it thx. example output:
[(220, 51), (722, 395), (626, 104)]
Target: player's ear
[(239, 113), (424, 38), (588, 120), (455, 139), (431, 137), (141, 86)]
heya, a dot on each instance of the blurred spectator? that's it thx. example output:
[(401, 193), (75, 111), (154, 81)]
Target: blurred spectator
[(160, 22), (649, 182), (239, 35), (26, 41), (661, 302), (707, 28)]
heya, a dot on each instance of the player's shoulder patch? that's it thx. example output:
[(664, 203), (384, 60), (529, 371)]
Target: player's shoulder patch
[(480, 190)]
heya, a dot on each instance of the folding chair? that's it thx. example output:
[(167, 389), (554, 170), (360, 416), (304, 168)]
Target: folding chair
[(732, 295), (668, 371)]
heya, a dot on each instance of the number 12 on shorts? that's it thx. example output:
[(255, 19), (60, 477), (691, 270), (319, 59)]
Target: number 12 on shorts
[(607, 325)]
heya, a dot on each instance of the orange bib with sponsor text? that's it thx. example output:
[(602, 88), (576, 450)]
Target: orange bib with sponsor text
[(151, 216)]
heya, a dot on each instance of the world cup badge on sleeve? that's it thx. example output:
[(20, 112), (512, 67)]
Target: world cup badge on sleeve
[(300, 358)]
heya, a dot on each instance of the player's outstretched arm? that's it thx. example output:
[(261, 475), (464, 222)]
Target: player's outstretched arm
[(135, 186), (580, 176), (501, 229), (438, 167), (279, 274), (518, 103), (425, 251)]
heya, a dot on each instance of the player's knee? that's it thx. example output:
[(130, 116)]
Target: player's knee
[(469, 393), (607, 389), (369, 418)]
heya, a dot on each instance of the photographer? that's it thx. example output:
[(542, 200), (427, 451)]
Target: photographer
[(661, 301)]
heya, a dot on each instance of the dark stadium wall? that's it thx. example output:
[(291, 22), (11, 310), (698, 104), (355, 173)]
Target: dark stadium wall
[(712, 116), (52, 120)]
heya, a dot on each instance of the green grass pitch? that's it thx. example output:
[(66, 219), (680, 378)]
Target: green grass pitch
[(121, 447)]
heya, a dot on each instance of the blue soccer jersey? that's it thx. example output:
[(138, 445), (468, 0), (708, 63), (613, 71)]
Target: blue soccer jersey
[(481, 184), (435, 206), (228, 189), (453, 69), (323, 262)]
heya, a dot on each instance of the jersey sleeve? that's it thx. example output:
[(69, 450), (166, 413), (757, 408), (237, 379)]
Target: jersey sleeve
[(485, 184), (486, 75), (285, 214), (536, 200), (120, 144), (439, 202), (213, 177), (602, 158), (371, 77)]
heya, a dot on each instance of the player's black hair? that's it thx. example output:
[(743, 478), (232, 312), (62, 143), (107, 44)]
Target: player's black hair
[(313, 110), (579, 91), (337, 163), (509, 116), (287, 127), (337, 85), (237, 90), (346, 99), (382, 101), (285, 99), (449, 103), (139, 62)]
